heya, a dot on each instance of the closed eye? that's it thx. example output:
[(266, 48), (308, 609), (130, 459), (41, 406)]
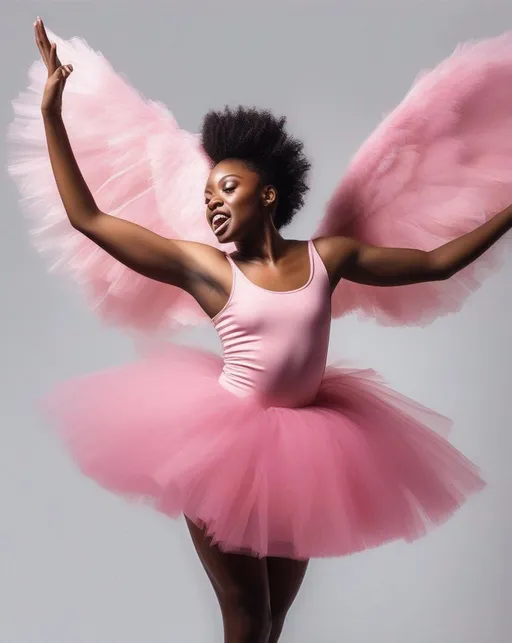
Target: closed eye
[(228, 190)]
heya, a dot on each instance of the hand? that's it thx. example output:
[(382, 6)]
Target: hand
[(57, 73)]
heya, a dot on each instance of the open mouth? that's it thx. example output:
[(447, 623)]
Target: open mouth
[(219, 223)]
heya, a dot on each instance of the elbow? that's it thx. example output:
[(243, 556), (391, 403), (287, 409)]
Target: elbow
[(78, 224), (82, 221), (443, 275), (439, 269)]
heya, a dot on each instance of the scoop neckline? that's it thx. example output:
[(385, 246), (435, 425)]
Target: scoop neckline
[(282, 292)]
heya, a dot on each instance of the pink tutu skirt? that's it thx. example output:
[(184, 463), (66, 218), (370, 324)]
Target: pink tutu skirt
[(360, 467)]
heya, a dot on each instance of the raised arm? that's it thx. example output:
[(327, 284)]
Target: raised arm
[(347, 258), (180, 263), (167, 260)]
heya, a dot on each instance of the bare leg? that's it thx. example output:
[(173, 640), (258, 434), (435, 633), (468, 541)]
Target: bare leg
[(241, 585), (285, 577)]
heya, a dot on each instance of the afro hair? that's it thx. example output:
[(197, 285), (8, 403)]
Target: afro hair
[(260, 139)]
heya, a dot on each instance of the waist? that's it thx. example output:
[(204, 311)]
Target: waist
[(287, 392)]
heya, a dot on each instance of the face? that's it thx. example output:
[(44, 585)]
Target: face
[(236, 201)]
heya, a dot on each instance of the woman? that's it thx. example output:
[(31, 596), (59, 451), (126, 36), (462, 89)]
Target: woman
[(272, 459)]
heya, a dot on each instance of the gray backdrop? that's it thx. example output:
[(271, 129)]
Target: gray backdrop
[(80, 565)]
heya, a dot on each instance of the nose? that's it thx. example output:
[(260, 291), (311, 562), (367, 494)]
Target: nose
[(214, 203)]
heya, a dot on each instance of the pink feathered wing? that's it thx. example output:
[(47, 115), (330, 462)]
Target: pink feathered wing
[(138, 164), (437, 167)]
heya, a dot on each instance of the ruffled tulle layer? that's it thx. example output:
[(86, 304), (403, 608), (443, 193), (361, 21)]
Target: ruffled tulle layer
[(362, 466), (437, 167), (122, 142)]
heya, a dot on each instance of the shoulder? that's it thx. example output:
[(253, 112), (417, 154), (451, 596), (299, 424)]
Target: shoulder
[(208, 259), (201, 252), (335, 252)]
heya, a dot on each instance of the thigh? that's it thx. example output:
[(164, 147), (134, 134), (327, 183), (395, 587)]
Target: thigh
[(237, 579)]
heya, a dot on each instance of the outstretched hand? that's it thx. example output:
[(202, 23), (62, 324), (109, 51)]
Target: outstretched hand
[(57, 73)]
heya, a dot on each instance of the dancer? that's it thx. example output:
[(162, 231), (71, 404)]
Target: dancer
[(272, 458)]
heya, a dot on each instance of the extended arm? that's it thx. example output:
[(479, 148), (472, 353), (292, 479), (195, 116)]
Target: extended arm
[(180, 263), (347, 258), (138, 248)]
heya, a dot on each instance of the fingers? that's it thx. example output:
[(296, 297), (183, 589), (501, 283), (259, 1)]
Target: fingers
[(66, 71), (53, 56), (61, 73), (40, 43), (44, 46)]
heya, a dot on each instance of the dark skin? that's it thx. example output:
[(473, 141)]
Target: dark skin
[(254, 594)]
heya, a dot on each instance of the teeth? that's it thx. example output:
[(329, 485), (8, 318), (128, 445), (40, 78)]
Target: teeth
[(219, 218), (218, 229)]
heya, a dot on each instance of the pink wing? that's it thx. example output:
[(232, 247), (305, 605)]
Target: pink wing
[(437, 167), (139, 166)]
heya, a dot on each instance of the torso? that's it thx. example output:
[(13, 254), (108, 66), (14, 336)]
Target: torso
[(275, 340)]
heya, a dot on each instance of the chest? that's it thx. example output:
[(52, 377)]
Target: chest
[(285, 316)]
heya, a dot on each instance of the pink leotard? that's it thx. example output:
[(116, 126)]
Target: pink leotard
[(275, 343)]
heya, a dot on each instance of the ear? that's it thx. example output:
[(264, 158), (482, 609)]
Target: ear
[(269, 196)]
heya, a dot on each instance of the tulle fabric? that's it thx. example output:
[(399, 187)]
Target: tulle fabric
[(138, 164), (361, 467), (436, 168)]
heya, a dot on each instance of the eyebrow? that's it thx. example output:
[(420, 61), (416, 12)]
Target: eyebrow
[(237, 176)]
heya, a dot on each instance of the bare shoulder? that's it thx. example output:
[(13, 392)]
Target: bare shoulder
[(206, 258), (334, 252), (201, 252)]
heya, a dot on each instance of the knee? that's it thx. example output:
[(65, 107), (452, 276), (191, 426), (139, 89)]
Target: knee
[(279, 614), (252, 613), (278, 619)]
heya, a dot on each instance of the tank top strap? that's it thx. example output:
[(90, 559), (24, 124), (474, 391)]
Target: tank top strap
[(230, 260), (318, 269), (234, 270)]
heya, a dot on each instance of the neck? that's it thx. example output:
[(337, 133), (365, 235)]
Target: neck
[(264, 243)]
